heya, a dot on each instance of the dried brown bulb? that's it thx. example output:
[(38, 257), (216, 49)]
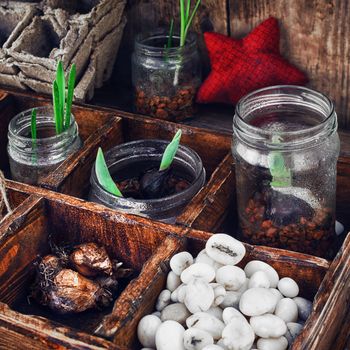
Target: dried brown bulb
[(91, 260), (48, 267), (72, 293)]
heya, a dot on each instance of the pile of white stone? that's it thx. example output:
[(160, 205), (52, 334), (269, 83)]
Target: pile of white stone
[(35, 36), (211, 304)]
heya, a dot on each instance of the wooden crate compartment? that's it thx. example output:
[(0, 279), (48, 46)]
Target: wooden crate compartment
[(129, 239), (90, 124), (328, 285), (112, 128), (152, 244)]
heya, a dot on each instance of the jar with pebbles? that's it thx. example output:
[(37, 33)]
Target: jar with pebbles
[(286, 148), (165, 80), (30, 162)]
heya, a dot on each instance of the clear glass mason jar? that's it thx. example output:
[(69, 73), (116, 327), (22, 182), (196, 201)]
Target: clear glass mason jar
[(131, 160), (29, 162), (165, 81), (286, 148)]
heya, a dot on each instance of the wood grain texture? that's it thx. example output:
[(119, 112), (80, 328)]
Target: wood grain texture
[(315, 36), (207, 209), (331, 305)]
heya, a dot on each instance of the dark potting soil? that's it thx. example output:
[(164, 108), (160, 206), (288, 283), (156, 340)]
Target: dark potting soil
[(172, 107), (291, 224)]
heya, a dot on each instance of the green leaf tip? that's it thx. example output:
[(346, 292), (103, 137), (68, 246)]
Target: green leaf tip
[(63, 97), (33, 127), (170, 151), (281, 175), (186, 18), (70, 94), (103, 175)]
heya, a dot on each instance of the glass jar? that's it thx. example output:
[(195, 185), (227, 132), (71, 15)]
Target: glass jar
[(286, 148), (165, 81), (28, 161), (131, 160)]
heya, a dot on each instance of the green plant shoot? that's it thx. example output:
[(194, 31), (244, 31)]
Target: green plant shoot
[(103, 175), (33, 127), (281, 175), (70, 95), (170, 151), (62, 100), (186, 18), (171, 34)]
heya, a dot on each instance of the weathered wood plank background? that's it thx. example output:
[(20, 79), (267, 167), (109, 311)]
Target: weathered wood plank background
[(315, 35)]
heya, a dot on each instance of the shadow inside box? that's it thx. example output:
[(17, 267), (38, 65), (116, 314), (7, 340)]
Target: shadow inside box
[(125, 240)]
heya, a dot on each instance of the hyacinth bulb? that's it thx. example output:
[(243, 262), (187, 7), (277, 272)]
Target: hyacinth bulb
[(285, 209), (154, 183), (91, 260)]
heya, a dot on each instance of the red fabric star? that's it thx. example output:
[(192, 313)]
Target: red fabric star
[(242, 66)]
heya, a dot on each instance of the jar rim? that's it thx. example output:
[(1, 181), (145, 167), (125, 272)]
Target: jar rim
[(156, 200), (50, 139), (161, 33), (306, 130)]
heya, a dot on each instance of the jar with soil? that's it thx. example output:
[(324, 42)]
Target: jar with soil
[(129, 165), (29, 162), (286, 148), (165, 80)]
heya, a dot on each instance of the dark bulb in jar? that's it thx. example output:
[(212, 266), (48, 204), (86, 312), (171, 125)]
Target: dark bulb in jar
[(154, 183)]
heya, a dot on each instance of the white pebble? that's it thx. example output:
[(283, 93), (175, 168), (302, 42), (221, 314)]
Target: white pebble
[(181, 293), (259, 279), (206, 322), (219, 293), (197, 339), (231, 277), (212, 347), (173, 281), (198, 271), (204, 258), (257, 265), (293, 330), (146, 330), (231, 313), (278, 295), (257, 301), (163, 299), (231, 299), (238, 335), (280, 343), (225, 249), (339, 228), (215, 311), (156, 313), (180, 262), (169, 336), (174, 295), (287, 310), (220, 343), (288, 287), (199, 296), (304, 307), (176, 312), (268, 326), (244, 287)]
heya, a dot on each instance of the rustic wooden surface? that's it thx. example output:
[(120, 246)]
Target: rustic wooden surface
[(315, 35), (141, 244), (331, 306)]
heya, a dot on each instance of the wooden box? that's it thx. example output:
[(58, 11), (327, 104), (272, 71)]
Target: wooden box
[(146, 247), (58, 208)]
